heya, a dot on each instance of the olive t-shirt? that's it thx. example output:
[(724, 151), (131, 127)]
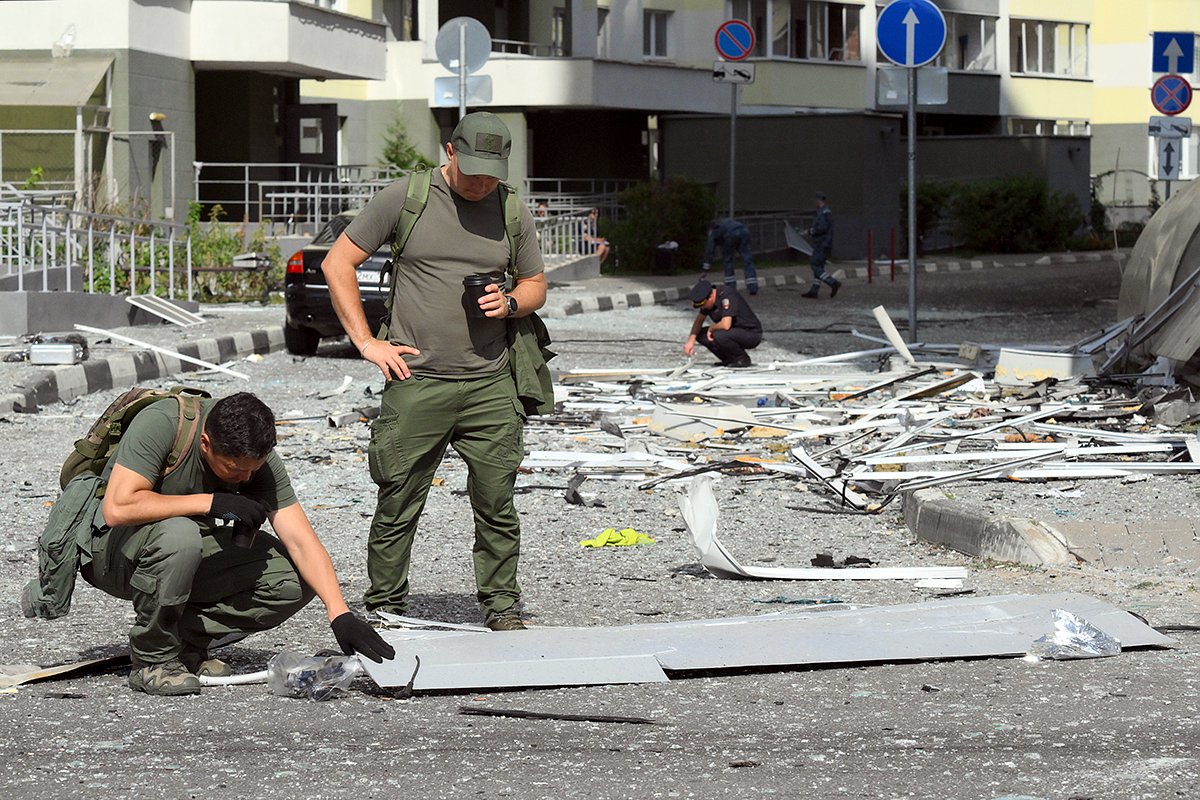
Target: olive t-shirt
[(453, 238), (145, 446)]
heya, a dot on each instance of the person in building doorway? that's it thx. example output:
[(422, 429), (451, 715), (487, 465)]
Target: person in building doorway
[(821, 234), (731, 237), (734, 329)]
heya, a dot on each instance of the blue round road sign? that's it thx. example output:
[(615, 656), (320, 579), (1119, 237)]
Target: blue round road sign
[(911, 32), (1171, 95), (734, 40)]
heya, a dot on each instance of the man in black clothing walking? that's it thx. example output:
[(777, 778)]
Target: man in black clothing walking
[(822, 242)]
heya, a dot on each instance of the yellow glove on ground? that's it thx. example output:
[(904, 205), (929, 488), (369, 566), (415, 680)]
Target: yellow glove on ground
[(611, 537)]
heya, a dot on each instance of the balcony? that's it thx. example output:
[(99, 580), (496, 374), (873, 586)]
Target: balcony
[(293, 39)]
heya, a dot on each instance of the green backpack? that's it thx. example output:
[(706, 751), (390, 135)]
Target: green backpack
[(92, 452), (415, 201)]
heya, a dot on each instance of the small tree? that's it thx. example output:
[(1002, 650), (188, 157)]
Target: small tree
[(399, 151), (678, 210)]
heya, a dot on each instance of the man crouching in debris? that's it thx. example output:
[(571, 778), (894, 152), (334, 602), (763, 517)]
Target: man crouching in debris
[(735, 328), (154, 540)]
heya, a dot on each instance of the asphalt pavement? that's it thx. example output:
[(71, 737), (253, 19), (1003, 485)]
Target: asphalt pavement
[(1119, 728)]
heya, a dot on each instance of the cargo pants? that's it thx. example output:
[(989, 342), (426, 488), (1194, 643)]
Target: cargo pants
[(192, 588), (419, 418)]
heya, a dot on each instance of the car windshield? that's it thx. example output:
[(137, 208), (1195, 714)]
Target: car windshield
[(333, 230)]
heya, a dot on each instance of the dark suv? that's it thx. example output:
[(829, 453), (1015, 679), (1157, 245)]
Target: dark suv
[(310, 314)]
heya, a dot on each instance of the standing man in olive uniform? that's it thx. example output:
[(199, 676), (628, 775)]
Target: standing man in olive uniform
[(446, 368), (822, 242), (734, 330)]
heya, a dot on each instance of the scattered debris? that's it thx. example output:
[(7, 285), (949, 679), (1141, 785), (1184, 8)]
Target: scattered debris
[(699, 507), (799, 601), (1073, 637), (166, 309), (578, 498), (17, 674), (519, 714), (163, 351)]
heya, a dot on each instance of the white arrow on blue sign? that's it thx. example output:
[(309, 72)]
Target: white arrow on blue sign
[(911, 32), (1174, 53)]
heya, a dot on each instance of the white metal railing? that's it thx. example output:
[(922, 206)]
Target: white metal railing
[(238, 187), (564, 234), (299, 203), (116, 254), (514, 47)]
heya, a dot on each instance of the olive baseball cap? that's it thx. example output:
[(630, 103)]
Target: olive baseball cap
[(482, 144)]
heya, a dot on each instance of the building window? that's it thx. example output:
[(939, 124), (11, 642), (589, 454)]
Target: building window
[(1048, 48), (970, 43), (602, 45), (558, 29), (1023, 126), (654, 33), (804, 29)]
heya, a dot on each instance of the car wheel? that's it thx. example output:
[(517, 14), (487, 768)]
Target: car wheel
[(300, 341)]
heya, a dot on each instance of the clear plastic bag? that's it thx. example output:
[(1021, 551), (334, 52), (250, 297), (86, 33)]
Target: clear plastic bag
[(292, 674), (1073, 637)]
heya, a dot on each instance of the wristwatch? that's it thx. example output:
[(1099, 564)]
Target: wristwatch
[(512, 305)]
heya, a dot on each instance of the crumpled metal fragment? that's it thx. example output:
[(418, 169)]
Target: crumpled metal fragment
[(1073, 637)]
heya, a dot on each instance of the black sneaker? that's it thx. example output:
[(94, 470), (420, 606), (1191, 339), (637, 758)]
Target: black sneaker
[(813, 292), (506, 620), (833, 289), (739, 363)]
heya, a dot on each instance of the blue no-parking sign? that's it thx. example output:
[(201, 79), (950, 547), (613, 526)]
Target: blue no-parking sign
[(911, 32), (1171, 95), (734, 40)]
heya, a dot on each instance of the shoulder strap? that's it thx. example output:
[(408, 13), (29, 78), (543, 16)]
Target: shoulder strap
[(185, 431), (512, 224), (415, 200), (414, 203)]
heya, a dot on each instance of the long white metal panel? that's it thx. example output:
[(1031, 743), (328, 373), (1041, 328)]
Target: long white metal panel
[(949, 628)]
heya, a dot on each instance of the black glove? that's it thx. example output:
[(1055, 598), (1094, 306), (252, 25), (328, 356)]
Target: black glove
[(355, 636), (242, 511)]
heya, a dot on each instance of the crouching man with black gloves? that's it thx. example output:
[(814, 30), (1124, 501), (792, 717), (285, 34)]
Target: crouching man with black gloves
[(156, 539)]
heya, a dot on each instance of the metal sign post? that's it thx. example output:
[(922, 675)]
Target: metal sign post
[(734, 41), (911, 33), (463, 45)]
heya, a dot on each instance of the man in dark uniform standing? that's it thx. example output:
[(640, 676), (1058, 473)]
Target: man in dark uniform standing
[(822, 242), (734, 329)]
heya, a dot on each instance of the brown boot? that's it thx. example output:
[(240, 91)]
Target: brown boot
[(168, 679)]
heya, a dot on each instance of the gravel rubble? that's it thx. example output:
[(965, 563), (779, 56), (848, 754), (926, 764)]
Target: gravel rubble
[(1122, 728)]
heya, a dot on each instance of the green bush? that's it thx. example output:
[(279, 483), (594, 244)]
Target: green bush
[(678, 210), (1014, 214), (933, 203), (215, 244)]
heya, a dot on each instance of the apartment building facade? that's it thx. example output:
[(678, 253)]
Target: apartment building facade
[(605, 90)]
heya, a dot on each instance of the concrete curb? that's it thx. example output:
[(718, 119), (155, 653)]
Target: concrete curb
[(649, 297), (934, 518), (129, 369)]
